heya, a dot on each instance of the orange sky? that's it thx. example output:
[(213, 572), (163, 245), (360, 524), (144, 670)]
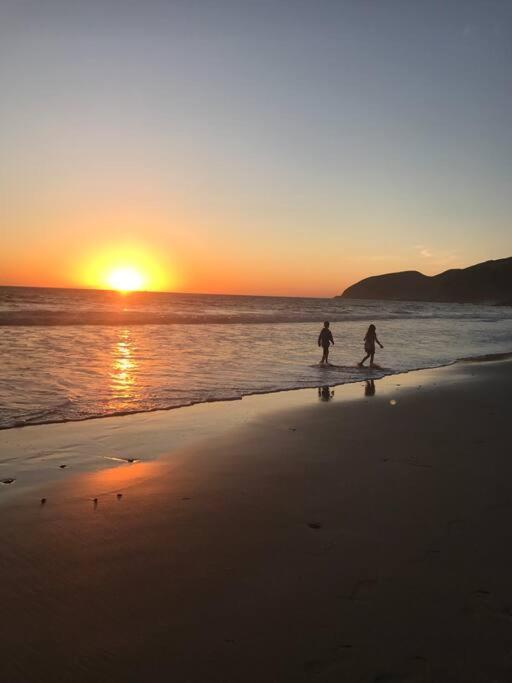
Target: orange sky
[(80, 249), (178, 255), (259, 148)]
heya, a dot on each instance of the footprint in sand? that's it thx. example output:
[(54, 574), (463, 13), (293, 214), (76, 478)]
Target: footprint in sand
[(482, 593), (363, 589), (506, 611), (480, 602), (391, 678), (416, 463)]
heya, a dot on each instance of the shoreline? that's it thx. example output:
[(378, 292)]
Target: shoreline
[(363, 538), (491, 357), (40, 454)]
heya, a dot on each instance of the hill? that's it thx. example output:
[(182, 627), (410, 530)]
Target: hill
[(489, 282)]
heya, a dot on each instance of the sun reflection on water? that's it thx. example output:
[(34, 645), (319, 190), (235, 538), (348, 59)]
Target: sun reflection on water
[(123, 370)]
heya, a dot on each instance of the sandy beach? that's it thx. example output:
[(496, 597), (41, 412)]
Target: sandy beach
[(279, 538)]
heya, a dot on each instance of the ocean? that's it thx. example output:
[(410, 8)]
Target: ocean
[(79, 354)]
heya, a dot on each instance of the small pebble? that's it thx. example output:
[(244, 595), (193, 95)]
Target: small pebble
[(392, 402), (43, 501), (62, 466), (314, 525), (8, 480), (119, 496)]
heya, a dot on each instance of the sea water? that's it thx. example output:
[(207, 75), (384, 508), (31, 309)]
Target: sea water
[(78, 354)]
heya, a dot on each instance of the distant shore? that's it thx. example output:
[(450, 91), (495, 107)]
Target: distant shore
[(360, 536), (489, 283)]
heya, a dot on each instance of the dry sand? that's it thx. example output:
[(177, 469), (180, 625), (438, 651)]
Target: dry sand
[(351, 540)]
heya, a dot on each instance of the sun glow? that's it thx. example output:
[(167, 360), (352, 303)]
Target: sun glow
[(128, 269), (126, 279)]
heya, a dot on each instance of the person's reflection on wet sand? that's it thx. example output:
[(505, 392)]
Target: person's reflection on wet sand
[(325, 393), (369, 388)]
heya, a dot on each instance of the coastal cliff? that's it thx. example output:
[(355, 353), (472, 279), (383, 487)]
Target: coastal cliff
[(488, 282)]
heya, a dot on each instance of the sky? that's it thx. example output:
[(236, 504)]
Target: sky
[(288, 147)]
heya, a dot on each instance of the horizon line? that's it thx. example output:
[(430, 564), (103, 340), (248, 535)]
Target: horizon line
[(158, 291)]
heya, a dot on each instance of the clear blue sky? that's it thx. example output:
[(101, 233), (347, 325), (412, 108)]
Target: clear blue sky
[(287, 147)]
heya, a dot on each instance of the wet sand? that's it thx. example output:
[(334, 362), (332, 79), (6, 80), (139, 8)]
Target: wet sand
[(365, 538)]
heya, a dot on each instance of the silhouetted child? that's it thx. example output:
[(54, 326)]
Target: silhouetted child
[(325, 340), (369, 345)]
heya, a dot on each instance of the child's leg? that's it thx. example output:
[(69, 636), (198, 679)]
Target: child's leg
[(365, 358), (371, 359), (326, 353)]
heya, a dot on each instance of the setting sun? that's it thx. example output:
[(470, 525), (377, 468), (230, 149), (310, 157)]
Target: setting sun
[(127, 279), (127, 268)]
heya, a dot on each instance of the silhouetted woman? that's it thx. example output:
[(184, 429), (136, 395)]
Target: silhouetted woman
[(369, 345)]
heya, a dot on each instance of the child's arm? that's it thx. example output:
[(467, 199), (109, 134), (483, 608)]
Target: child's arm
[(378, 342), (320, 339), (331, 338)]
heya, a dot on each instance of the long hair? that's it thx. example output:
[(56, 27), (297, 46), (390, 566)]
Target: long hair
[(371, 330)]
